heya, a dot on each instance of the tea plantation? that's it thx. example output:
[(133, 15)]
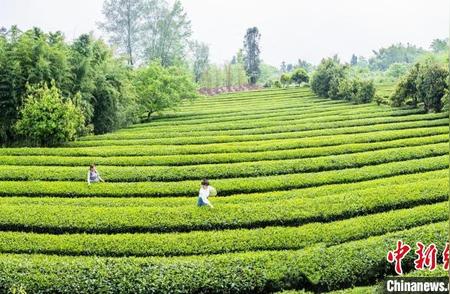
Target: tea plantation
[(313, 193)]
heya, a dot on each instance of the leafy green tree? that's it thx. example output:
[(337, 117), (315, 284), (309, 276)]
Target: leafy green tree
[(268, 73), (431, 85), (124, 23), (397, 53), (425, 83), (300, 76), (160, 88), (305, 65), (326, 77), (397, 70), (201, 59), (283, 67), (251, 54), (405, 91), (47, 118), (148, 30), (167, 33), (285, 79), (439, 45), (356, 90), (29, 57)]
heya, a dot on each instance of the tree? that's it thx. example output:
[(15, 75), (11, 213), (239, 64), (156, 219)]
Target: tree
[(289, 67), (285, 79), (300, 76), (425, 82), (431, 85), (268, 73), (305, 65), (251, 54), (201, 59), (47, 118), (326, 77), (147, 30), (397, 53), (167, 33), (354, 60), (439, 45), (283, 67), (124, 22), (397, 70), (160, 88), (28, 57)]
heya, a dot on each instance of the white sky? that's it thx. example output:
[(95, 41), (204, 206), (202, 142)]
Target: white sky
[(290, 29)]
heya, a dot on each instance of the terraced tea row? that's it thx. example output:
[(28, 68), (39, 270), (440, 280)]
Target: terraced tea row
[(243, 199), (249, 146), (314, 192), (213, 242), (226, 170), (54, 219), (321, 128), (226, 186), (213, 158), (318, 267)]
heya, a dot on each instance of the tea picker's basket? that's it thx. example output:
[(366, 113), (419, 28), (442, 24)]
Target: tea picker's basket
[(212, 191)]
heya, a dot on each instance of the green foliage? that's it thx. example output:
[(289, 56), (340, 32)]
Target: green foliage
[(431, 84), (226, 170), (314, 192), (425, 83), (396, 70), (397, 53), (268, 73), (47, 118), (251, 54), (219, 242), (227, 75), (201, 60), (227, 186), (285, 79), (325, 78), (318, 267), (147, 31), (300, 76), (85, 72), (160, 88), (356, 90), (439, 45), (331, 80)]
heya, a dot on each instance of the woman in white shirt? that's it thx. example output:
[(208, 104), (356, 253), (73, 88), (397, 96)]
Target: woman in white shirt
[(205, 191)]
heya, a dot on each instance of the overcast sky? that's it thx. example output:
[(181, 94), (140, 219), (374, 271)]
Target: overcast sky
[(290, 29)]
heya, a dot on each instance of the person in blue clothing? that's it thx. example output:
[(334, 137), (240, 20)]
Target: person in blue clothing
[(204, 193), (93, 175)]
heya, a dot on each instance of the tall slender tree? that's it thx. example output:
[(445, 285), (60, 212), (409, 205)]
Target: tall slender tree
[(167, 33), (201, 59), (251, 54), (124, 23)]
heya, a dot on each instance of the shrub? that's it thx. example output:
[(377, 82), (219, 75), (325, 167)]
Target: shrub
[(326, 76), (227, 241), (356, 90), (285, 79), (277, 84), (46, 119), (431, 84), (300, 76), (426, 82), (318, 267)]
